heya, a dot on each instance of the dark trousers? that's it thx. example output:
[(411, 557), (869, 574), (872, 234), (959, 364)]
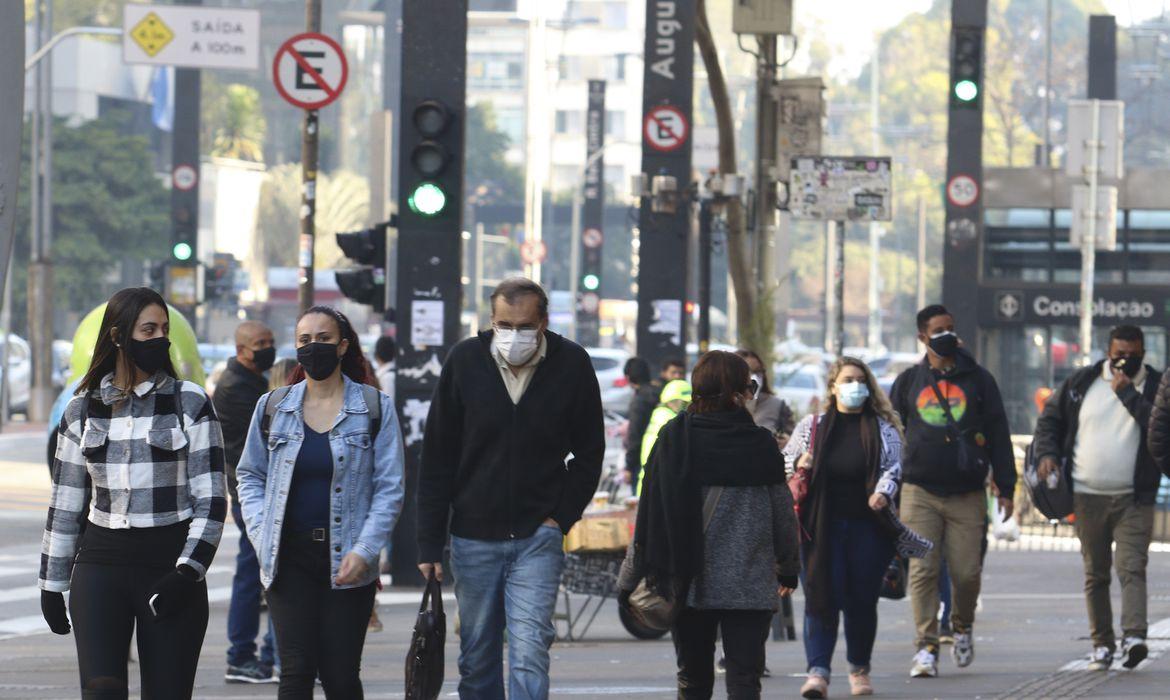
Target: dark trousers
[(243, 623), (745, 633), (860, 553), (320, 632), (106, 602)]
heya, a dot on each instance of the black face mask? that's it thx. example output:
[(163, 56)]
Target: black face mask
[(150, 355), (264, 359), (1130, 366), (318, 359), (944, 345)]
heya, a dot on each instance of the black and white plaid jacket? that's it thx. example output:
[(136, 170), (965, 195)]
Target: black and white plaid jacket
[(147, 468)]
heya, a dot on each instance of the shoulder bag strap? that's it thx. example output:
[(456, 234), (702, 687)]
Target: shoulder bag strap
[(714, 493), (274, 399), (374, 407), (943, 403)]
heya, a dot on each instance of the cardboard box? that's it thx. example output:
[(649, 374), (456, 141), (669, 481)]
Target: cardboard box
[(599, 535)]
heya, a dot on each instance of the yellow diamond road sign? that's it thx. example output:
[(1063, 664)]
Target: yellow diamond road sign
[(152, 34)]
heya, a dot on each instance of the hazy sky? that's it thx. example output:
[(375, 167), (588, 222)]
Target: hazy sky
[(867, 17)]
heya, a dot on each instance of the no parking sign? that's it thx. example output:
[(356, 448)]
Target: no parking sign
[(310, 70)]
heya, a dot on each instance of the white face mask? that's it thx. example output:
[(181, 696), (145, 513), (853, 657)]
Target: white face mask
[(516, 346)]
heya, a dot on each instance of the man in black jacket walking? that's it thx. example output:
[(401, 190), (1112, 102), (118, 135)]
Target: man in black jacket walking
[(956, 432), (510, 406), (1093, 431), (236, 395)]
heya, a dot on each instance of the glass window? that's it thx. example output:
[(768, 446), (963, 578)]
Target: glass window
[(1017, 244), (1066, 260), (568, 121), (493, 71), (615, 124), (614, 15), (511, 122), (569, 68), (1148, 235)]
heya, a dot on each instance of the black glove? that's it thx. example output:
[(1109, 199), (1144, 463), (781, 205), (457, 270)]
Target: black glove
[(171, 593), (53, 610), (789, 581)]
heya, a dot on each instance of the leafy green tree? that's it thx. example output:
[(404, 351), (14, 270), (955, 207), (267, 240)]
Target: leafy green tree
[(109, 209), (233, 121), (487, 177), (343, 204)]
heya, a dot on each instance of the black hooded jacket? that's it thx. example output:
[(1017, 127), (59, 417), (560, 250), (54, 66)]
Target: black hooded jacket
[(235, 399), (1056, 428), (929, 457)]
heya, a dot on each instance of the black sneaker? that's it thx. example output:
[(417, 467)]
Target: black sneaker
[(250, 672), (1134, 651)]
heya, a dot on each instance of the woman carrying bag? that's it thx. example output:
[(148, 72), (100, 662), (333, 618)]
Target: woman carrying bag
[(320, 485), (850, 459), (149, 450), (712, 463)]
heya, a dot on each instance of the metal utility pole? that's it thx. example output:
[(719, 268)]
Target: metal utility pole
[(767, 123), (1089, 239), (40, 269), (874, 327), (309, 138), (1046, 158), (921, 285), (11, 131), (839, 288), (706, 218)]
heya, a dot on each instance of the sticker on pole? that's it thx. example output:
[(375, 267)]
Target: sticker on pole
[(310, 70), (962, 190), (592, 238), (532, 252), (665, 128), (184, 177)]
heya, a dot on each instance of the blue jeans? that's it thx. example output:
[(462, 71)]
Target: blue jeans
[(860, 553), (508, 584), (243, 622)]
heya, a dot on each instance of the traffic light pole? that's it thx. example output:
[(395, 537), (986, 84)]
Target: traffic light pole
[(309, 182), (706, 217), (40, 269)]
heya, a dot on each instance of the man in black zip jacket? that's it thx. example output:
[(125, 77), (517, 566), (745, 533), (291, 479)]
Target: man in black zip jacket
[(1093, 430), (956, 432), (510, 406)]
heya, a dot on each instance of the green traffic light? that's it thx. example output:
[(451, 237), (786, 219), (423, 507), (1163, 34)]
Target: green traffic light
[(182, 251), (591, 282), (428, 199), (966, 90)]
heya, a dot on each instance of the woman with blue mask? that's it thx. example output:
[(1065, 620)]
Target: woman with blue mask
[(853, 456)]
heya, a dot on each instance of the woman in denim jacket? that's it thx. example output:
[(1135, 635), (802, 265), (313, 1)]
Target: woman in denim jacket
[(321, 485)]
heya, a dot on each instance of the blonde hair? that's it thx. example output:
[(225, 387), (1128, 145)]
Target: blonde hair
[(278, 377), (877, 398)]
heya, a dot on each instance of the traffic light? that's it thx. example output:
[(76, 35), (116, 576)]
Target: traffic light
[(967, 67), (182, 232), (434, 178), (365, 284)]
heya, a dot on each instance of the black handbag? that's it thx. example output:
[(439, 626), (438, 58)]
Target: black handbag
[(894, 580), (1054, 502), (424, 660), (972, 455)]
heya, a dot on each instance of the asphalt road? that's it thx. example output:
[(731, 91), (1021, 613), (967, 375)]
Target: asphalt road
[(1030, 634)]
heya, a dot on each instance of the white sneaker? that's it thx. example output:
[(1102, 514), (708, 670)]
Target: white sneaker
[(1134, 651), (963, 650), (1100, 659), (925, 664)]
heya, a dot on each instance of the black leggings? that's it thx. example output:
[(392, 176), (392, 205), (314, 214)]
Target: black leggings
[(320, 632), (745, 634), (106, 602)]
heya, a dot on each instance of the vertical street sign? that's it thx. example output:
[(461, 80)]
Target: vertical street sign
[(430, 227), (666, 151), (592, 213), (964, 204)]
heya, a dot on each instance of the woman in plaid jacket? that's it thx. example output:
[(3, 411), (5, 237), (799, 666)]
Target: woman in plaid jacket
[(140, 460)]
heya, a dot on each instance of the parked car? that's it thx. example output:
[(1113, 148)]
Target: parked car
[(801, 386), (615, 388), (19, 372)]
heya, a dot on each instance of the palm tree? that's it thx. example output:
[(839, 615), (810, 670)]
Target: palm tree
[(239, 124)]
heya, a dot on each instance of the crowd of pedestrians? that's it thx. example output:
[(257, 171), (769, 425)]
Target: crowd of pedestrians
[(739, 505)]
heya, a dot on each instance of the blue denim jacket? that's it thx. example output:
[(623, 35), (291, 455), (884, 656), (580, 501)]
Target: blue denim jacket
[(367, 490)]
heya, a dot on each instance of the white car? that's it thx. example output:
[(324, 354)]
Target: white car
[(615, 388), (801, 386), (19, 373)]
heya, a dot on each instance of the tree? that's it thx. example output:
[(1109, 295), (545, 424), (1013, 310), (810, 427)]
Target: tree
[(753, 318), (233, 121), (109, 210), (343, 204), (488, 178)]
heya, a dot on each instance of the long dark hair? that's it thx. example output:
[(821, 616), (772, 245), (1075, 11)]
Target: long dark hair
[(765, 387), (353, 363), (122, 312), (716, 380)]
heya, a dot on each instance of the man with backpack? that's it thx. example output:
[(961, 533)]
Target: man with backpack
[(956, 433), (1093, 430)]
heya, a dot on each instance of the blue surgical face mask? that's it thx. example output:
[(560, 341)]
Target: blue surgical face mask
[(853, 394)]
